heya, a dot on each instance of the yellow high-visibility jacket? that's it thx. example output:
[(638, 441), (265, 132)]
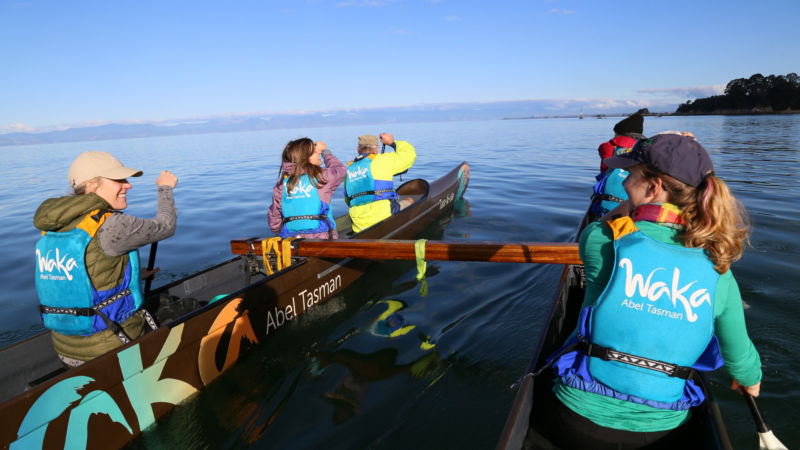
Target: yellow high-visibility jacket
[(384, 166)]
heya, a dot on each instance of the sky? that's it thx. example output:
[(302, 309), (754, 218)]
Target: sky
[(80, 63)]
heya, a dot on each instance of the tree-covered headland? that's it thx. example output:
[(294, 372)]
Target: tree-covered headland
[(757, 94)]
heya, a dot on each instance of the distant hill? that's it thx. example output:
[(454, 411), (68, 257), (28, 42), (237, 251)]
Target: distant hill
[(400, 114), (757, 94)]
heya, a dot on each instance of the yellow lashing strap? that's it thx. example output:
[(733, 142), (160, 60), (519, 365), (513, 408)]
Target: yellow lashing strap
[(286, 254), (267, 246), (281, 248), (419, 251)]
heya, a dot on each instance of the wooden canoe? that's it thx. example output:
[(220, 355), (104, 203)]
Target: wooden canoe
[(524, 428), (110, 400)]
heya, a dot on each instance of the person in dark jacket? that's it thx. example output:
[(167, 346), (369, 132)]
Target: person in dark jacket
[(626, 132), (608, 192)]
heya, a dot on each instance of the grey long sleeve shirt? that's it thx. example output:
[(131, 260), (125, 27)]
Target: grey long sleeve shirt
[(122, 233)]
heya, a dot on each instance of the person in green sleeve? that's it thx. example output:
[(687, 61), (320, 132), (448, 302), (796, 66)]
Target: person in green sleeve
[(368, 186), (661, 302)]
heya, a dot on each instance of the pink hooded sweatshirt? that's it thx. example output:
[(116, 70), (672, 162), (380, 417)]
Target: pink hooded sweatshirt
[(332, 174)]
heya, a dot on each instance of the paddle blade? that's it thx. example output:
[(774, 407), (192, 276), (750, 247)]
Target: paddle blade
[(766, 438), (768, 441)]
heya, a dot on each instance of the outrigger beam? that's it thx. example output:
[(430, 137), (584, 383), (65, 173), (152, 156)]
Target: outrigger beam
[(486, 251)]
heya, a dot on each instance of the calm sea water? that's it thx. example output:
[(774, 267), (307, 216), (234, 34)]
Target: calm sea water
[(330, 380)]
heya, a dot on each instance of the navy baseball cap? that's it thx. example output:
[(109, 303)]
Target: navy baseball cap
[(680, 157)]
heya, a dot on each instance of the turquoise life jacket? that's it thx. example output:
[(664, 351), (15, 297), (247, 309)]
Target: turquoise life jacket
[(652, 326), (360, 187), (303, 211), (68, 301), (609, 192)]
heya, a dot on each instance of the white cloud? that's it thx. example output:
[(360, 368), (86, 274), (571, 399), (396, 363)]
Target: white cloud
[(687, 92), (16, 128), (452, 18)]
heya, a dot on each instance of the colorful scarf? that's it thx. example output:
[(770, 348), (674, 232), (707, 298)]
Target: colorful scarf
[(665, 214)]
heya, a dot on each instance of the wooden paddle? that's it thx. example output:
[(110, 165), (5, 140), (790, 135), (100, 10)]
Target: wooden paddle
[(510, 252)]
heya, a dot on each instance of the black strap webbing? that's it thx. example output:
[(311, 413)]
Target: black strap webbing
[(378, 192), (85, 311), (608, 354), (95, 310), (308, 217), (608, 197), (317, 217)]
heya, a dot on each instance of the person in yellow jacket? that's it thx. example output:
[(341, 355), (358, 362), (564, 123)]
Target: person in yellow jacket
[(368, 187)]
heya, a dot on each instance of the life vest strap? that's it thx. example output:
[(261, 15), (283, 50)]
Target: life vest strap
[(322, 217), (307, 217), (95, 310), (85, 311), (607, 197), (378, 192), (609, 354)]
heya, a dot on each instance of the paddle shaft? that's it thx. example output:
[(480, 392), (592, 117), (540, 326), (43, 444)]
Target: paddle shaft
[(757, 417), (151, 261), (510, 252), (766, 438)]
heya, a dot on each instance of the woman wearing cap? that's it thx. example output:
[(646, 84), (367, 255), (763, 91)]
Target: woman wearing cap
[(660, 301), (301, 199), (87, 261)]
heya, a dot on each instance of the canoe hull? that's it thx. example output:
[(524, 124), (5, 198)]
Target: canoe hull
[(110, 400)]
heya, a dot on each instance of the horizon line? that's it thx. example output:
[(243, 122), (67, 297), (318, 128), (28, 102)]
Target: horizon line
[(605, 103)]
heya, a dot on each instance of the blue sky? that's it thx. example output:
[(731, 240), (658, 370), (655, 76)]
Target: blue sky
[(72, 63)]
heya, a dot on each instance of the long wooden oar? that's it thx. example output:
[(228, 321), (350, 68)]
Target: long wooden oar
[(510, 252), (766, 438)]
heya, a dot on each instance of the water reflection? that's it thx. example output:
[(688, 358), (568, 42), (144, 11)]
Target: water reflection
[(365, 368)]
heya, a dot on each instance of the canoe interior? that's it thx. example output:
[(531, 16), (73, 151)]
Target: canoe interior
[(525, 429)]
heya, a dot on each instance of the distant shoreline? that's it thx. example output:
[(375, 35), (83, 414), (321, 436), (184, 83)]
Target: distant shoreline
[(261, 123), (741, 112)]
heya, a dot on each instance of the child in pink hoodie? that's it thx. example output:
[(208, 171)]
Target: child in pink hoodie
[(301, 198)]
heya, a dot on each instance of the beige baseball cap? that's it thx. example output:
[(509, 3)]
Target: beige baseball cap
[(91, 164), (367, 140)]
